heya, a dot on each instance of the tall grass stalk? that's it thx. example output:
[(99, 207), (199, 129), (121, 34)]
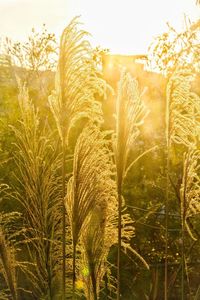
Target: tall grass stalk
[(89, 191), (168, 145), (130, 115), (92, 207), (77, 83), (38, 192), (183, 128)]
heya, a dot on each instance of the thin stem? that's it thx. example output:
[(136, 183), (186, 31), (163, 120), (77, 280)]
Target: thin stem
[(175, 274), (119, 242), (167, 193), (63, 220), (94, 286), (182, 262), (166, 230), (183, 211), (138, 158), (106, 286), (74, 269), (187, 277)]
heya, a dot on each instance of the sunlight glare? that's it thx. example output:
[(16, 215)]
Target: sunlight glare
[(125, 27)]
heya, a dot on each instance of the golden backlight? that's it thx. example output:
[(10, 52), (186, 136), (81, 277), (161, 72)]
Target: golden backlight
[(125, 27)]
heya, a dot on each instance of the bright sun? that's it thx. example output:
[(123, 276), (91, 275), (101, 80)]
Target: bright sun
[(125, 27)]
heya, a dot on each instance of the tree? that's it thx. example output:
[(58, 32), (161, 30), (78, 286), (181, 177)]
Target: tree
[(174, 49), (34, 62), (38, 53)]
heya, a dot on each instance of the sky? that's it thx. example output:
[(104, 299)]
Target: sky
[(123, 26)]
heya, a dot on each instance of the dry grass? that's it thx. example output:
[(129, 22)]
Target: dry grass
[(77, 84), (89, 187), (39, 194), (130, 115)]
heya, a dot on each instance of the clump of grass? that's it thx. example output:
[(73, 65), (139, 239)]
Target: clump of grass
[(92, 207), (90, 184), (38, 192), (77, 84), (183, 128)]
